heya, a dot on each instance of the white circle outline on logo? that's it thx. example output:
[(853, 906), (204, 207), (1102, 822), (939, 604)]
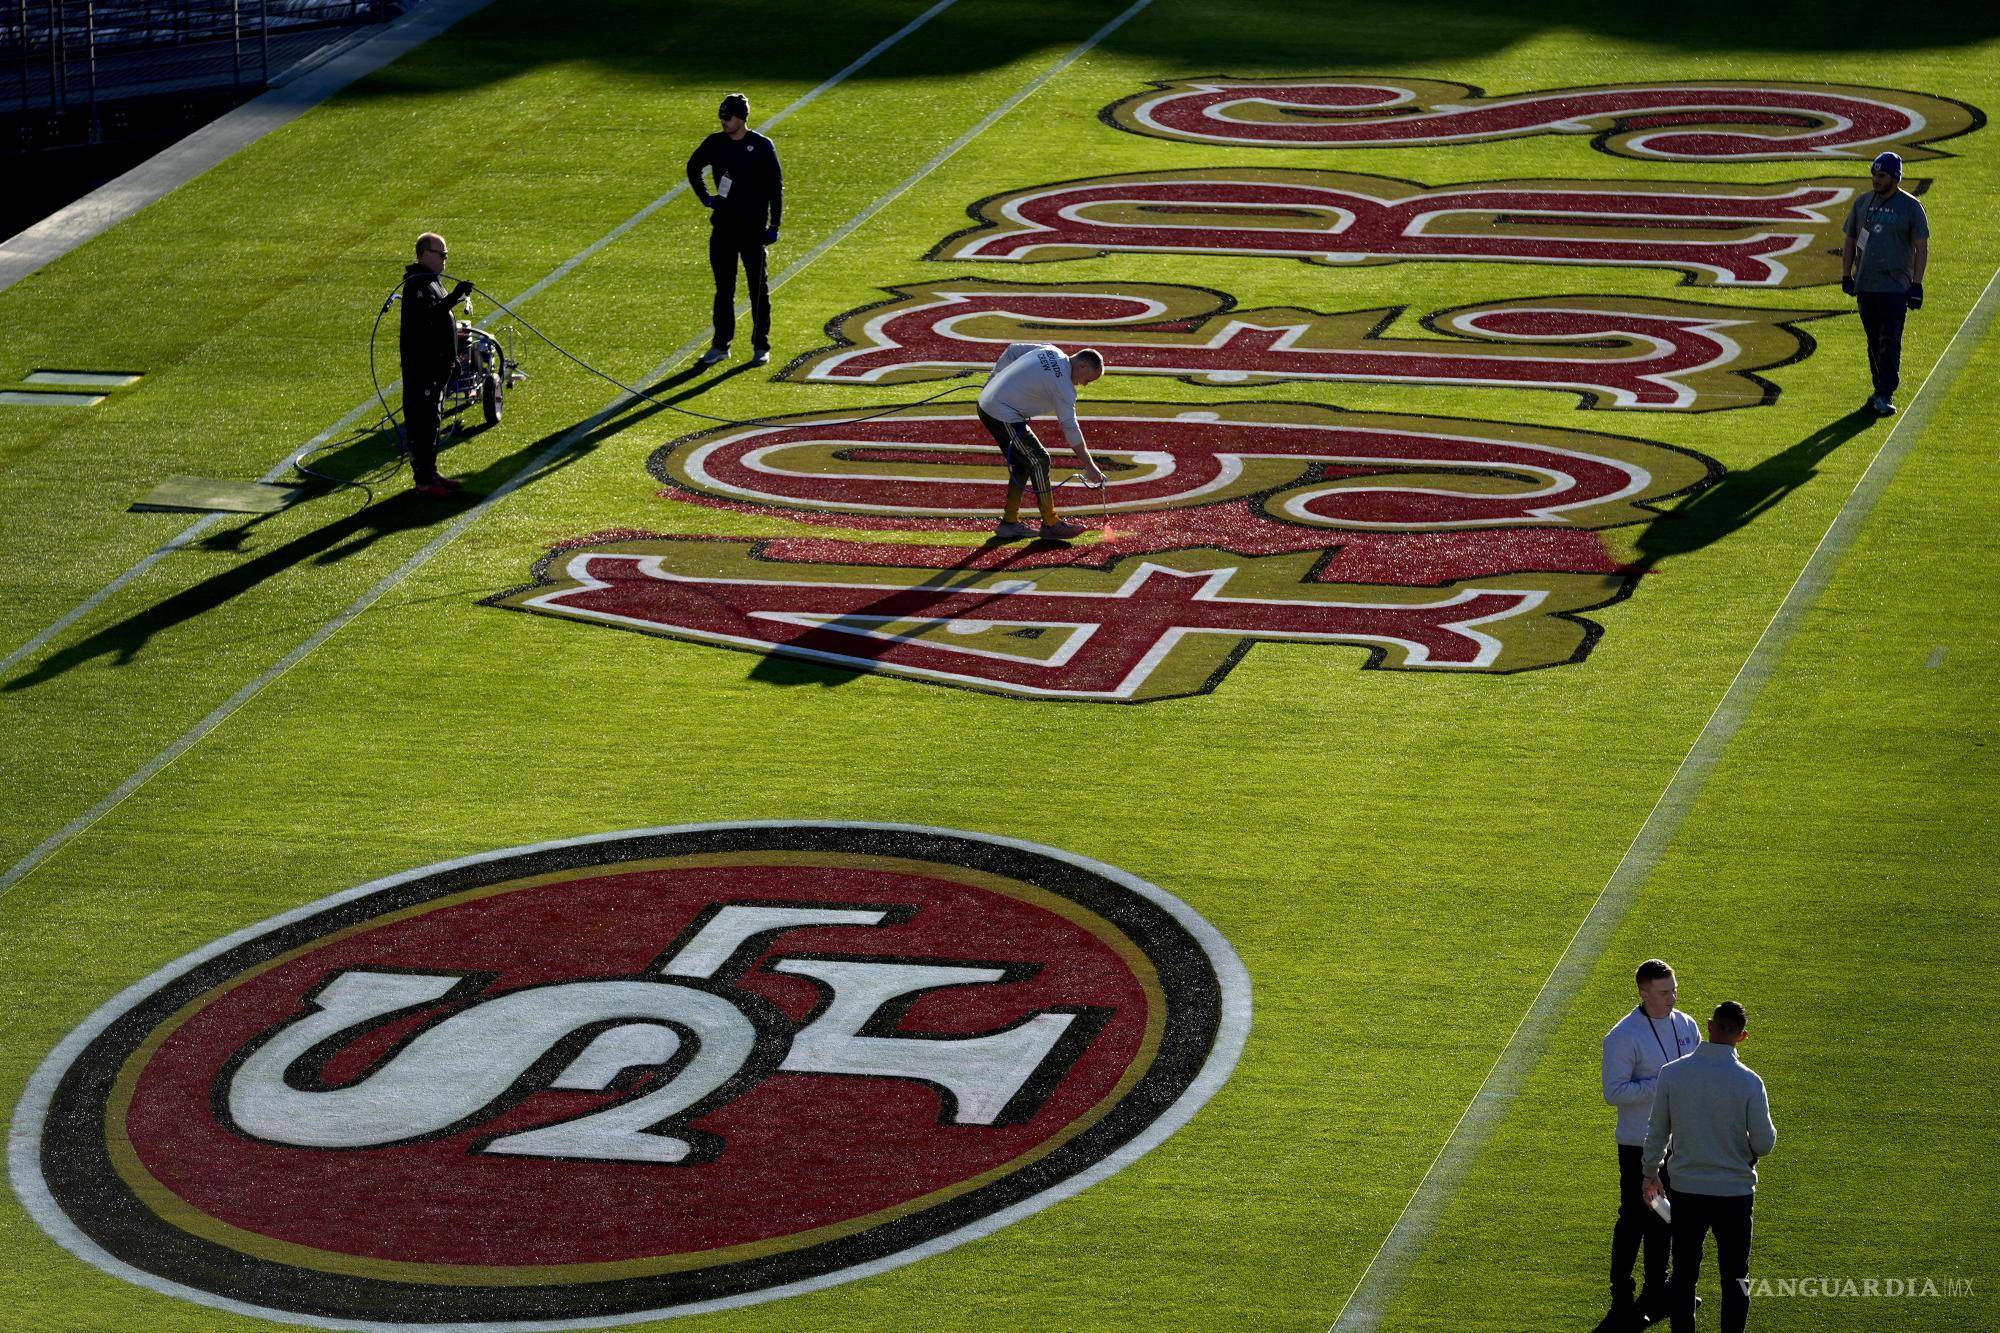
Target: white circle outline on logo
[(24, 1148)]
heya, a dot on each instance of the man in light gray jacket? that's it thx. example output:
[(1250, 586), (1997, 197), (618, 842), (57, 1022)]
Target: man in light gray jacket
[(1711, 1111), (1635, 1050)]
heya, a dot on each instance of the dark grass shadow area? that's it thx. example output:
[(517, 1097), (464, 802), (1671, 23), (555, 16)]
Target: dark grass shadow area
[(1741, 498), (400, 511), (794, 40)]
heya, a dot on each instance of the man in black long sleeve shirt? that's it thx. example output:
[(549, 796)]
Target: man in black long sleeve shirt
[(745, 209), (429, 349)]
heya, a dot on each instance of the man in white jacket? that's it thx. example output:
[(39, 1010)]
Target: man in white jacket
[(1036, 380), (1643, 1041)]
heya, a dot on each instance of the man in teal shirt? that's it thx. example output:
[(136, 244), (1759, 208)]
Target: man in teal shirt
[(1712, 1111), (1882, 266)]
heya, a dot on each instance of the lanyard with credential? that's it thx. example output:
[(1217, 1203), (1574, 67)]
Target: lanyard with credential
[(1656, 1035), (1871, 208)]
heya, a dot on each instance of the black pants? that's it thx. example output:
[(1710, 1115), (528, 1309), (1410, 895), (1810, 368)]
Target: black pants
[(423, 399), (1027, 459), (1728, 1215), (1637, 1223), (727, 246), (1882, 316)]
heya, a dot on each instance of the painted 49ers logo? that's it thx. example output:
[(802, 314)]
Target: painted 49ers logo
[(1251, 523), (640, 1074), (1781, 235), (1722, 121)]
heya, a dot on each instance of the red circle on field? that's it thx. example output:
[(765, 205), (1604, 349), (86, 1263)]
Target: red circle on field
[(801, 1152)]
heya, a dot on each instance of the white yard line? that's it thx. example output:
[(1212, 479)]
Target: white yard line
[(221, 139), (278, 469), (951, 150), (562, 270), (194, 735), (1400, 1249)]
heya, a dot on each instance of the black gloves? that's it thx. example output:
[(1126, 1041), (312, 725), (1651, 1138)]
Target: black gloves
[(771, 236), (1914, 297), (459, 292)]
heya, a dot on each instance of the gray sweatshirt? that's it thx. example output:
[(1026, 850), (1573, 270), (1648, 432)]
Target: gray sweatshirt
[(1032, 380), (1712, 1110), (1634, 1051)]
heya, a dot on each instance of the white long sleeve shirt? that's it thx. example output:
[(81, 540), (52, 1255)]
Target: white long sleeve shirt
[(1634, 1051), (1032, 380)]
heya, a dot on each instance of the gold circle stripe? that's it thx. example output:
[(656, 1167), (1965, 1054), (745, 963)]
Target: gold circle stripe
[(178, 1212)]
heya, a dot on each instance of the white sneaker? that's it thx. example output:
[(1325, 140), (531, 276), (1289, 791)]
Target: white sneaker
[(712, 355), (1013, 532)]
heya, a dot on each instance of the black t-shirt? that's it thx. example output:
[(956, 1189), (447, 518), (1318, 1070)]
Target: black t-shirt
[(749, 184)]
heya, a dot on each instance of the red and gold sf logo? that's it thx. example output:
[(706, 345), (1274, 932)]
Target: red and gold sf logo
[(1226, 528), (630, 1075), (1718, 121), (1784, 235), (1629, 353)]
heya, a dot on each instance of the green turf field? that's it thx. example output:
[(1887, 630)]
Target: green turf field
[(1759, 745)]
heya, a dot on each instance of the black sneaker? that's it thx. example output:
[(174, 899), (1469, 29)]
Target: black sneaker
[(1657, 1313), (1622, 1317)]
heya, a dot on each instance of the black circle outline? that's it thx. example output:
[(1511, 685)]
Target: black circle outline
[(76, 1166)]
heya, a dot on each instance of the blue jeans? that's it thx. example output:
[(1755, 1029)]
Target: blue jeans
[(1882, 315)]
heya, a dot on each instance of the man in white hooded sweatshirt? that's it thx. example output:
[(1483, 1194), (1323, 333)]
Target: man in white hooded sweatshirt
[(1635, 1049)]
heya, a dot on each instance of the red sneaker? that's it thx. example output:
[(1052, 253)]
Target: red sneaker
[(435, 490)]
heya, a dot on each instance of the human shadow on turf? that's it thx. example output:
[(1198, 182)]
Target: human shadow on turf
[(347, 536), (857, 633), (1741, 498)]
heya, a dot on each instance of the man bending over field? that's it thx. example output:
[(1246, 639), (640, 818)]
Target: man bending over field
[(1033, 380)]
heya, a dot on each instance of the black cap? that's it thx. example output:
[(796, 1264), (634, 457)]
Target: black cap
[(735, 104)]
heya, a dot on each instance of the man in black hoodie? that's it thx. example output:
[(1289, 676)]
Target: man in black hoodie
[(429, 349), (745, 208)]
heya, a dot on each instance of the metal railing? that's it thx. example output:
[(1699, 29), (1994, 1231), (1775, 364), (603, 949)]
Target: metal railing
[(68, 55)]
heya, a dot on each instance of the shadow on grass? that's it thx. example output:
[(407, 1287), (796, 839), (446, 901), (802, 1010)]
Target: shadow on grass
[(405, 511), (709, 47), (851, 635), (1741, 498)]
